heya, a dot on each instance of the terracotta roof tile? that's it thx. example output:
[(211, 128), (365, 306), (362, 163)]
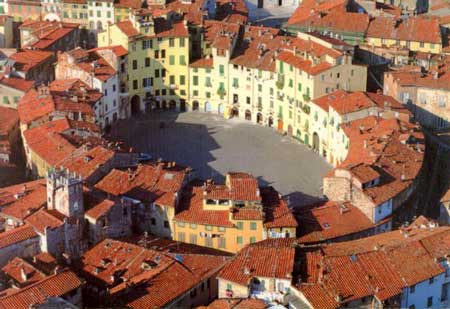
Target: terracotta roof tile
[(100, 209), (22, 272), (37, 293), (29, 59), (43, 219), (414, 28), (17, 235), (27, 204), (259, 261)]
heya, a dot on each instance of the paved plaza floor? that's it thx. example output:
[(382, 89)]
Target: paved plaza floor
[(214, 146)]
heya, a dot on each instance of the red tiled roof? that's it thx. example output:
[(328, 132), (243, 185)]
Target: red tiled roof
[(29, 59), (89, 162), (100, 209), (166, 278), (48, 144), (118, 50), (331, 220), (414, 28), (8, 119), (259, 261), (16, 83), (17, 267), (277, 213), (56, 285), (152, 183), (17, 235), (11, 194), (43, 219), (191, 210), (237, 303), (202, 63), (26, 205)]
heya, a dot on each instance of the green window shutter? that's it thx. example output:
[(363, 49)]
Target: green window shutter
[(182, 80), (239, 240), (252, 240), (171, 60), (253, 226), (195, 80), (240, 226), (182, 60)]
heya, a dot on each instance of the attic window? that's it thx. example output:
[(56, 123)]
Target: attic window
[(326, 225)]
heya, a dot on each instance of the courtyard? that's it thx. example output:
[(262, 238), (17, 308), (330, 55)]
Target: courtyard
[(212, 146)]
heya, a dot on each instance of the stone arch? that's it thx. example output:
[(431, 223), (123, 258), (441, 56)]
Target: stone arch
[(135, 105), (259, 118), (195, 105), (248, 115), (316, 142)]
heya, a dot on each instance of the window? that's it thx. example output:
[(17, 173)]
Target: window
[(166, 224), (182, 42), (240, 225), (252, 240), (193, 293), (229, 286), (156, 54), (235, 82), (222, 69), (182, 80), (171, 59), (208, 242), (412, 289), (153, 221), (171, 42), (430, 301), (221, 229), (222, 242), (248, 100), (431, 281), (208, 228), (135, 64), (239, 240), (195, 80), (147, 61), (180, 224), (172, 79), (157, 73), (441, 101), (193, 239), (163, 54), (253, 226), (135, 84), (181, 237), (182, 60), (422, 44)]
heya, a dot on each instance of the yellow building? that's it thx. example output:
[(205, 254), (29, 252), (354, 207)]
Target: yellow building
[(75, 11), (268, 78), (158, 57), (228, 217), (418, 34)]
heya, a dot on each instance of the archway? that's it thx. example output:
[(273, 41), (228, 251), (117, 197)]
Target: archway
[(316, 141), (182, 105), (172, 104), (164, 105), (290, 130), (235, 112), (259, 118), (270, 123), (221, 109), (208, 107), (195, 106), (248, 115), (135, 105)]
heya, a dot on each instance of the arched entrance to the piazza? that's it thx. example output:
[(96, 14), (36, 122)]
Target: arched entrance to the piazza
[(135, 105), (221, 109), (259, 118), (195, 105), (316, 142), (208, 107), (172, 104), (182, 105), (270, 122), (290, 130), (248, 115)]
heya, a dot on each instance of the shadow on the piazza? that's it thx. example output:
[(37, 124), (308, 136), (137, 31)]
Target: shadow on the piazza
[(162, 135)]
